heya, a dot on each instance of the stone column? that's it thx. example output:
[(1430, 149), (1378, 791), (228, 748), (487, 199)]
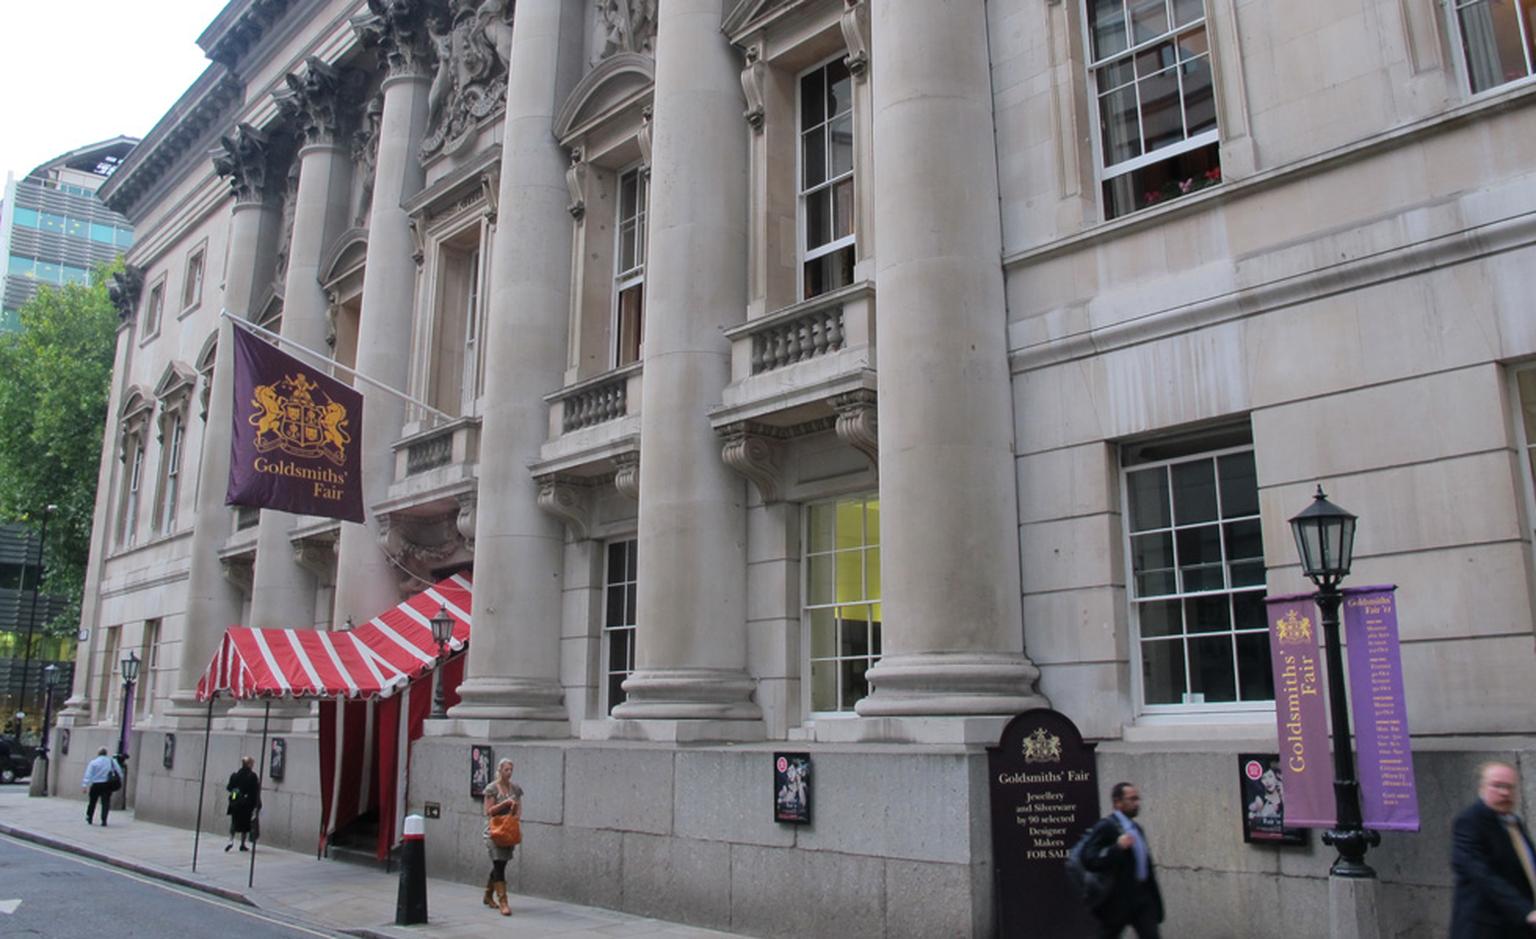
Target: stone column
[(953, 632), (315, 101), (365, 579), (691, 653), (213, 601), (512, 680)]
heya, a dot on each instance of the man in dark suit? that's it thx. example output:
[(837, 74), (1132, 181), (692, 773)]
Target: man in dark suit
[(1494, 863), (1118, 848)]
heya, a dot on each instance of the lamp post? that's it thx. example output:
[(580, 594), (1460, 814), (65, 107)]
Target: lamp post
[(130, 675), (442, 631), (1325, 539), (26, 667), (39, 786)]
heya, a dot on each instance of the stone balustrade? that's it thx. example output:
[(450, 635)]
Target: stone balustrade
[(812, 333), (597, 400)]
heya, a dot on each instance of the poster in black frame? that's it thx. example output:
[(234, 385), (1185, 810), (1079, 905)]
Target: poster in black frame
[(482, 760), (792, 788), (1262, 804)]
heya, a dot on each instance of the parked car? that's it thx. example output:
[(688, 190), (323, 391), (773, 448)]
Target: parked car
[(15, 759)]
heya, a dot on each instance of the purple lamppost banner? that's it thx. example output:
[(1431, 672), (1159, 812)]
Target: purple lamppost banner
[(1301, 712), (296, 436), (1384, 756)]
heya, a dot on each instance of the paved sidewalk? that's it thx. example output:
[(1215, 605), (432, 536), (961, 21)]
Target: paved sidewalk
[(326, 894)]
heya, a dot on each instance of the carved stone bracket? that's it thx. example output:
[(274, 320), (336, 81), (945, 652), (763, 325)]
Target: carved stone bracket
[(643, 138), (240, 570), (568, 499), (490, 189), (398, 28), (418, 249), (626, 478), (857, 424), (316, 553), (755, 455), (468, 505), (320, 100), (752, 78), (855, 24), (246, 157), (124, 290), (576, 184)]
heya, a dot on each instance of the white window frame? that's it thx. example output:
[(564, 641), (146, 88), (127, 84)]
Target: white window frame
[(609, 629), (629, 278), (170, 484), (1525, 444), (807, 644), (133, 483), (192, 286), (805, 254), (154, 310), (1214, 708), (1453, 10), (1104, 171)]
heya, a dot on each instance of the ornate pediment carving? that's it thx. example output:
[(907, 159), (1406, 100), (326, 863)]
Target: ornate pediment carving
[(398, 29), (472, 43), (246, 156), (616, 83), (625, 26), (127, 284), (321, 100)]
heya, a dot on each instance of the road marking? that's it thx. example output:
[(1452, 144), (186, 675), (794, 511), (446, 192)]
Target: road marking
[(188, 892), (9, 906)]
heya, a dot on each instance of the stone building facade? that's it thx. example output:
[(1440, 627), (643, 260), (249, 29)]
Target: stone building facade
[(846, 376)]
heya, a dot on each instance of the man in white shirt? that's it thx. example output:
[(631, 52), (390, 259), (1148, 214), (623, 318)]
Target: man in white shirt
[(102, 778)]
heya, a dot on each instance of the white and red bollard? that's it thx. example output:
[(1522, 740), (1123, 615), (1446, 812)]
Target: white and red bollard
[(411, 901)]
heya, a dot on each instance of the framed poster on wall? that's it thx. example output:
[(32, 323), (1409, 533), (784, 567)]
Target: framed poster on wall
[(1263, 801), (482, 762)]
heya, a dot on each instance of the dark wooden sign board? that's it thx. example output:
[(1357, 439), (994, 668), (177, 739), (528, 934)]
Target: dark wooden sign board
[(1045, 794)]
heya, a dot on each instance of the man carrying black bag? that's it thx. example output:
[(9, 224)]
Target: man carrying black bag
[(1117, 848)]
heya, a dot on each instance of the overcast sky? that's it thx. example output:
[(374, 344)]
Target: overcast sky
[(73, 72)]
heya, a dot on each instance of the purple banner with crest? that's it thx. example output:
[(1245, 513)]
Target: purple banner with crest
[(1383, 754), (1301, 711), (296, 435)]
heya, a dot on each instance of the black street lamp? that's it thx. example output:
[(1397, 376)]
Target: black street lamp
[(130, 675), (442, 631), (39, 785), (1325, 539), (26, 667)]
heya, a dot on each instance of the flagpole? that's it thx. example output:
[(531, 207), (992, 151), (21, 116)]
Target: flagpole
[(332, 363)]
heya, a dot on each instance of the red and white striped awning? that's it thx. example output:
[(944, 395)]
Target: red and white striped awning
[(375, 659)]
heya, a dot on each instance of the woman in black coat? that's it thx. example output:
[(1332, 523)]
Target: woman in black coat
[(244, 799)]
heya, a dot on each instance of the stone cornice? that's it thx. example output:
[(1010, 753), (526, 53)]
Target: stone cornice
[(201, 112), (238, 28)]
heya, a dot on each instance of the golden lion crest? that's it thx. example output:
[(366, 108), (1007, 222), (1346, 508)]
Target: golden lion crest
[(1293, 628), (288, 418), (1041, 747)]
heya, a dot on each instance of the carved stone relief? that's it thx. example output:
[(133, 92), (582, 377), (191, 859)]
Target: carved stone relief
[(755, 455), (472, 42), (417, 544), (285, 227), (240, 570), (365, 156), (625, 26)]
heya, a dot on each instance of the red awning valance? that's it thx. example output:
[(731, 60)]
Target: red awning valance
[(376, 659)]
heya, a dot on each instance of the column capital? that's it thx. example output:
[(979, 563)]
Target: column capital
[(320, 99), (248, 157), (398, 29)]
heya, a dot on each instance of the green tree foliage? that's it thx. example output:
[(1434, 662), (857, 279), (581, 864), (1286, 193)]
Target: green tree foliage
[(54, 377)]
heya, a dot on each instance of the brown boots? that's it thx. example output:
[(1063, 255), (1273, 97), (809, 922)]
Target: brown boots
[(490, 894), (501, 897)]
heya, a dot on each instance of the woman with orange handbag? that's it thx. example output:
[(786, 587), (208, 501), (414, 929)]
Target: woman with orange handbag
[(503, 832)]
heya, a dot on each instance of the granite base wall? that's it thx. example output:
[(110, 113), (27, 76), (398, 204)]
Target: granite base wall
[(898, 846)]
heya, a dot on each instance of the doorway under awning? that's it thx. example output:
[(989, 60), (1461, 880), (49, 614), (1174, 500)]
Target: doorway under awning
[(366, 679)]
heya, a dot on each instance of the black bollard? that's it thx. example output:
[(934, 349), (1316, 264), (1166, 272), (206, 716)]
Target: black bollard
[(411, 902)]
